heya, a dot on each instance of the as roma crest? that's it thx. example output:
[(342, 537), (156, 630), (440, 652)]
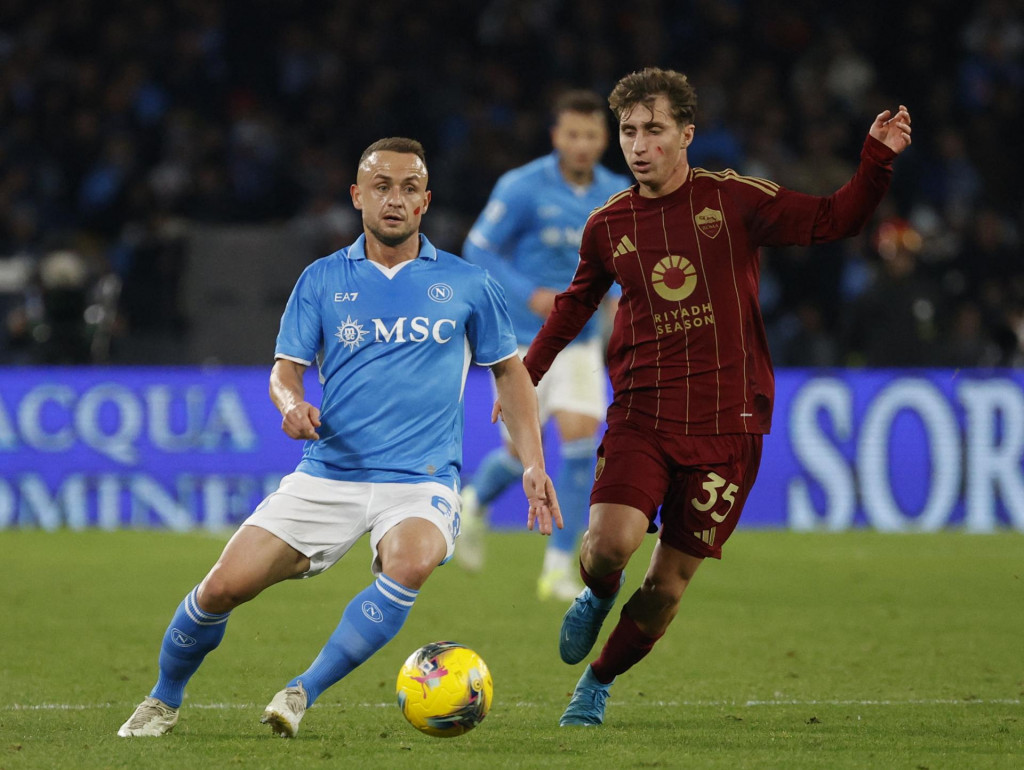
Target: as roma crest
[(709, 222)]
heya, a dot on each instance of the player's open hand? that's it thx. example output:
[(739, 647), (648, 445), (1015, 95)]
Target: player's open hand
[(892, 130), (540, 492), (301, 422)]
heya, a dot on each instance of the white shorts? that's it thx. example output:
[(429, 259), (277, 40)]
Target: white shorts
[(322, 518), (576, 382)]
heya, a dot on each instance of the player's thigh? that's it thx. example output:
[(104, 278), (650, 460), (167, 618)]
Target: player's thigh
[(576, 383), (413, 528), (573, 426), (410, 550), (320, 518), (704, 502), (253, 560), (632, 470)]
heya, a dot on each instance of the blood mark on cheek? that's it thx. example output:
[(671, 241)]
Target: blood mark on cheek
[(416, 211)]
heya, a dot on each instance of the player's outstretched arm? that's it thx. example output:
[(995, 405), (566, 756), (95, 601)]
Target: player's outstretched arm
[(299, 418), (892, 130), (518, 408)]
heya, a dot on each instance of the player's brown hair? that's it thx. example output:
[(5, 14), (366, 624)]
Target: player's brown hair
[(586, 102), (395, 144), (644, 86)]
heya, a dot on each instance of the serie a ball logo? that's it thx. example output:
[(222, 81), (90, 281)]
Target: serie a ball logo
[(444, 689)]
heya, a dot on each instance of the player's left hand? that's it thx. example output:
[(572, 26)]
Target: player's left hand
[(892, 130), (496, 411), (540, 492)]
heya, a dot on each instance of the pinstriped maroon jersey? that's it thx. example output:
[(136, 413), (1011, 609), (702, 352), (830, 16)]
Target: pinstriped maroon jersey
[(688, 352)]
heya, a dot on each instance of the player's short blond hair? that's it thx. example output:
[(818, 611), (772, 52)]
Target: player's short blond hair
[(644, 86)]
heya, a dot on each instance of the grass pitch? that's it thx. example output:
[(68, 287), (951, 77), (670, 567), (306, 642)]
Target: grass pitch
[(799, 650)]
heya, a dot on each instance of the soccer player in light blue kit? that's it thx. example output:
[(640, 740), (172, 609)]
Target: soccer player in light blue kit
[(528, 238), (393, 325)]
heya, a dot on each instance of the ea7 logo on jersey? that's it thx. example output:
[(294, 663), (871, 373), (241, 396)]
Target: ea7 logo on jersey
[(709, 222), (346, 296), (418, 329)]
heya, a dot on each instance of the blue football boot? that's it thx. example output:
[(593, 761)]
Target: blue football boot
[(586, 707), (582, 623)]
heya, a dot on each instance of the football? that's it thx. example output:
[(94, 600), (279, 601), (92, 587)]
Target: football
[(444, 689)]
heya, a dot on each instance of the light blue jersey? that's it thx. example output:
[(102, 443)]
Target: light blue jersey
[(528, 236), (394, 348)]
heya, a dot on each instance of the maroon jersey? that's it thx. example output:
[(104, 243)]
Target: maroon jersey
[(688, 352)]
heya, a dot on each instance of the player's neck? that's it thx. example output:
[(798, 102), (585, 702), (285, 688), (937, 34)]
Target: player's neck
[(577, 178), (677, 179), (389, 256)]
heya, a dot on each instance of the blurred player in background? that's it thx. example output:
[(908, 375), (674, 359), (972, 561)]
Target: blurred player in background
[(528, 238), (391, 323), (688, 358)]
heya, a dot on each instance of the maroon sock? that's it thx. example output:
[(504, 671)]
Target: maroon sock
[(603, 587), (626, 645)]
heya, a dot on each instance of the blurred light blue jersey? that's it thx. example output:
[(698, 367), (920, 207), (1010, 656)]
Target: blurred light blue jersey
[(528, 235), (393, 348)]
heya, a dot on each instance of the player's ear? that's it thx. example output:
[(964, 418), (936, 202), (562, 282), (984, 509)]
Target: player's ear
[(687, 134), (357, 200), (426, 202)]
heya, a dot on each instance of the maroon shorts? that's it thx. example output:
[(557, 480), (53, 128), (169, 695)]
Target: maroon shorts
[(699, 482)]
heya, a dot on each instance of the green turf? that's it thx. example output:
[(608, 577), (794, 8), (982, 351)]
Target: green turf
[(799, 650)]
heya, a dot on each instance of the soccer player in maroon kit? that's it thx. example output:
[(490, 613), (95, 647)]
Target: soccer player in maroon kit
[(688, 358)]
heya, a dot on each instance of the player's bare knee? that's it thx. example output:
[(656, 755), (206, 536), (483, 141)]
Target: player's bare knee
[(661, 594), (411, 573), (607, 553), (218, 594)]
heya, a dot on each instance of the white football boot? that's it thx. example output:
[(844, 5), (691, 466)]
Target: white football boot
[(285, 710), (151, 718)]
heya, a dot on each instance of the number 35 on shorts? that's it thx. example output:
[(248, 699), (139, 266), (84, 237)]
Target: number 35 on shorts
[(721, 496)]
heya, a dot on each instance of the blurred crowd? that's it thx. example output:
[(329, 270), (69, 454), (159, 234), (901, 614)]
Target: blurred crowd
[(122, 122)]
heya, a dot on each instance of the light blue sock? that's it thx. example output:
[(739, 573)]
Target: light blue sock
[(190, 636), (370, 621), (496, 472), (575, 479)]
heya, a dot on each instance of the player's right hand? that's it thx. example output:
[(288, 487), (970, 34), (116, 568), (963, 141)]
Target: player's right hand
[(544, 511), (301, 421)]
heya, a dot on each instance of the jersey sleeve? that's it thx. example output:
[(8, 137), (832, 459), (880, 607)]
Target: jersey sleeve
[(301, 333), (789, 218), (489, 328), (491, 240), (573, 307)]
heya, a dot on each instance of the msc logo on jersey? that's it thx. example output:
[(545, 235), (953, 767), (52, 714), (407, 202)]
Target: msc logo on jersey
[(418, 329), (440, 292), (351, 333), (403, 329), (674, 278), (709, 222), (553, 236)]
